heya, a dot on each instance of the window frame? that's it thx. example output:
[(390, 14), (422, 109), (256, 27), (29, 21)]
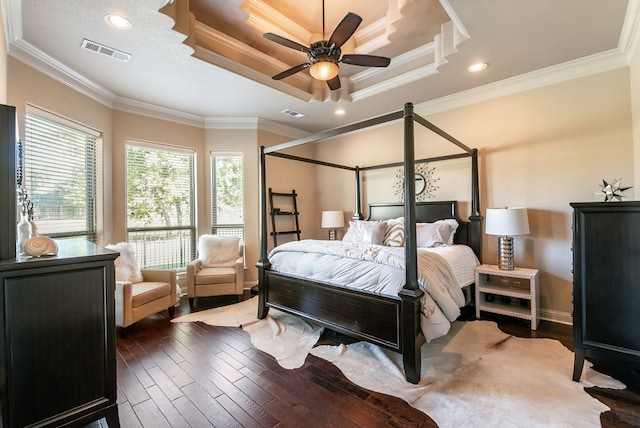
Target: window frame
[(93, 172), (214, 226), (191, 228)]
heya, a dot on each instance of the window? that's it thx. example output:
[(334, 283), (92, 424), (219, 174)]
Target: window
[(160, 205), (60, 175), (227, 194)]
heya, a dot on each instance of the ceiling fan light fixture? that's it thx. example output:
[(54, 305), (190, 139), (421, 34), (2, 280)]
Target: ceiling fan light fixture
[(324, 70)]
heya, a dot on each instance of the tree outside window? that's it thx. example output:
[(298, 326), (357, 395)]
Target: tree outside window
[(161, 205), (227, 194)]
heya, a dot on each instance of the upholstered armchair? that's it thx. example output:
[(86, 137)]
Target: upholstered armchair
[(140, 293), (218, 270)]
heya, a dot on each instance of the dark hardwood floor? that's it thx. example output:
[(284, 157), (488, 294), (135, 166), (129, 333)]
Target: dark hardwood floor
[(195, 375)]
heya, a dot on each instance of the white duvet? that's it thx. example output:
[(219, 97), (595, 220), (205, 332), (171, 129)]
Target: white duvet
[(442, 272)]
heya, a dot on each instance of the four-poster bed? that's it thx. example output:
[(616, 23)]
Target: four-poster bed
[(392, 321)]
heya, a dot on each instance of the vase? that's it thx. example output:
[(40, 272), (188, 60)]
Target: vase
[(24, 233)]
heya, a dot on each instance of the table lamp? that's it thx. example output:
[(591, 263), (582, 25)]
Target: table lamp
[(506, 222), (332, 220)]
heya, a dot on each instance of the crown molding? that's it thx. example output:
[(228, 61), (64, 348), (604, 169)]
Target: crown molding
[(606, 61), (594, 64), (153, 111), (253, 123), (47, 65), (630, 34), (12, 21), (265, 19), (280, 129)]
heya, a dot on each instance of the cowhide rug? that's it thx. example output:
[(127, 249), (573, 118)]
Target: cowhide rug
[(475, 376)]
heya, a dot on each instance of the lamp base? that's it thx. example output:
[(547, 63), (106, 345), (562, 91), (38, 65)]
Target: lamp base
[(332, 234), (505, 253)]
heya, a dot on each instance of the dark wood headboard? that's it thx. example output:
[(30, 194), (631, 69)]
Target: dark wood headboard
[(428, 212)]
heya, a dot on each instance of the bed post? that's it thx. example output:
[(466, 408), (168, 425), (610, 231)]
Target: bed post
[(475, 218), (410, 293), (357, 214), (263, 262)]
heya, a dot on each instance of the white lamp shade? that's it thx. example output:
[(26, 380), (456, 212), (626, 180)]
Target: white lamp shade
[(332, 219), (507, 221)]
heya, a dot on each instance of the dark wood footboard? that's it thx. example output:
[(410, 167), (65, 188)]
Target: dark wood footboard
[(391, 322)]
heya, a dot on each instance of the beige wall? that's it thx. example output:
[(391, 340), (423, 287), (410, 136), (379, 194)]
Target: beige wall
[(28, 86), (129, 126), (541, 149), (634, 71), (245, 141), (282, 176), (285, 176), (3, 63)]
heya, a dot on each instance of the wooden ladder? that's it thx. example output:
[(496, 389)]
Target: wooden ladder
[(281, 208)]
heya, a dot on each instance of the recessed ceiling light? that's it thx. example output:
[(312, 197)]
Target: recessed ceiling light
[(339, 111), (117, 21), (474, 68)]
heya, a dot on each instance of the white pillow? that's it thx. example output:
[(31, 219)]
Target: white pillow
[(218, 251), (366, 232), (432, 234), (452, 224), (127, 268), (394, 237)]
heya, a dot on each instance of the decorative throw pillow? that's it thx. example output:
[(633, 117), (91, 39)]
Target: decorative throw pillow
[(432, 234), (366, 232), (394, 237), (218, 251), (127, 268)]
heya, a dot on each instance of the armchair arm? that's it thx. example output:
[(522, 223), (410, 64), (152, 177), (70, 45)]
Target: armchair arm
[(239, 265), (123, 303), (192, 269)]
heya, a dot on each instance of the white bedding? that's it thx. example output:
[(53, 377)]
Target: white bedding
[(442, 272)]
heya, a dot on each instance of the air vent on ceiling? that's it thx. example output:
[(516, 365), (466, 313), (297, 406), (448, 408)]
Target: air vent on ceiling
[(292, 113), (105, 50)]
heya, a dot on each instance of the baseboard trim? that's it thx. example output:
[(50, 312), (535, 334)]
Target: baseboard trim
[(556, 316)]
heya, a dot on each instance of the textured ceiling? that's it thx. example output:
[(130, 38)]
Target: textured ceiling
[(206, 63)]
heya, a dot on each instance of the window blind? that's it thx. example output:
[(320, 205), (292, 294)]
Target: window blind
[(227, 194), (161, 204), (60, 177)]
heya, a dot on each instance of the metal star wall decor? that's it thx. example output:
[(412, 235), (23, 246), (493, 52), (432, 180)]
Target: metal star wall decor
[(612, 191)]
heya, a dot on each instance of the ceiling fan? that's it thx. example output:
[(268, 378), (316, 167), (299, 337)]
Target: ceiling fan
[(324, 56)]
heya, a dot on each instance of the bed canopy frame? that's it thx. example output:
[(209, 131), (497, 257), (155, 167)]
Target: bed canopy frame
[(329, 305)]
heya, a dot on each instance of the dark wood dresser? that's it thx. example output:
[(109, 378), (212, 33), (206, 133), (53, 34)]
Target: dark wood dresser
[(57, 347), (606, 283)]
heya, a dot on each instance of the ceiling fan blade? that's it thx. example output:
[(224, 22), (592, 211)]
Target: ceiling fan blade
[(292, 70), (366, 60), (334, 83), (345, 29), (285, 42)]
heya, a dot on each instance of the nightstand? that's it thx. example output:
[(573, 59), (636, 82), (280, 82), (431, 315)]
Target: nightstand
[(493, 284)]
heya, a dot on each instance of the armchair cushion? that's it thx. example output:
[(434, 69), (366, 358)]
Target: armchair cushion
[(218, 251), (215, 275), (127, 268), (134, 301), (145, 292)]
